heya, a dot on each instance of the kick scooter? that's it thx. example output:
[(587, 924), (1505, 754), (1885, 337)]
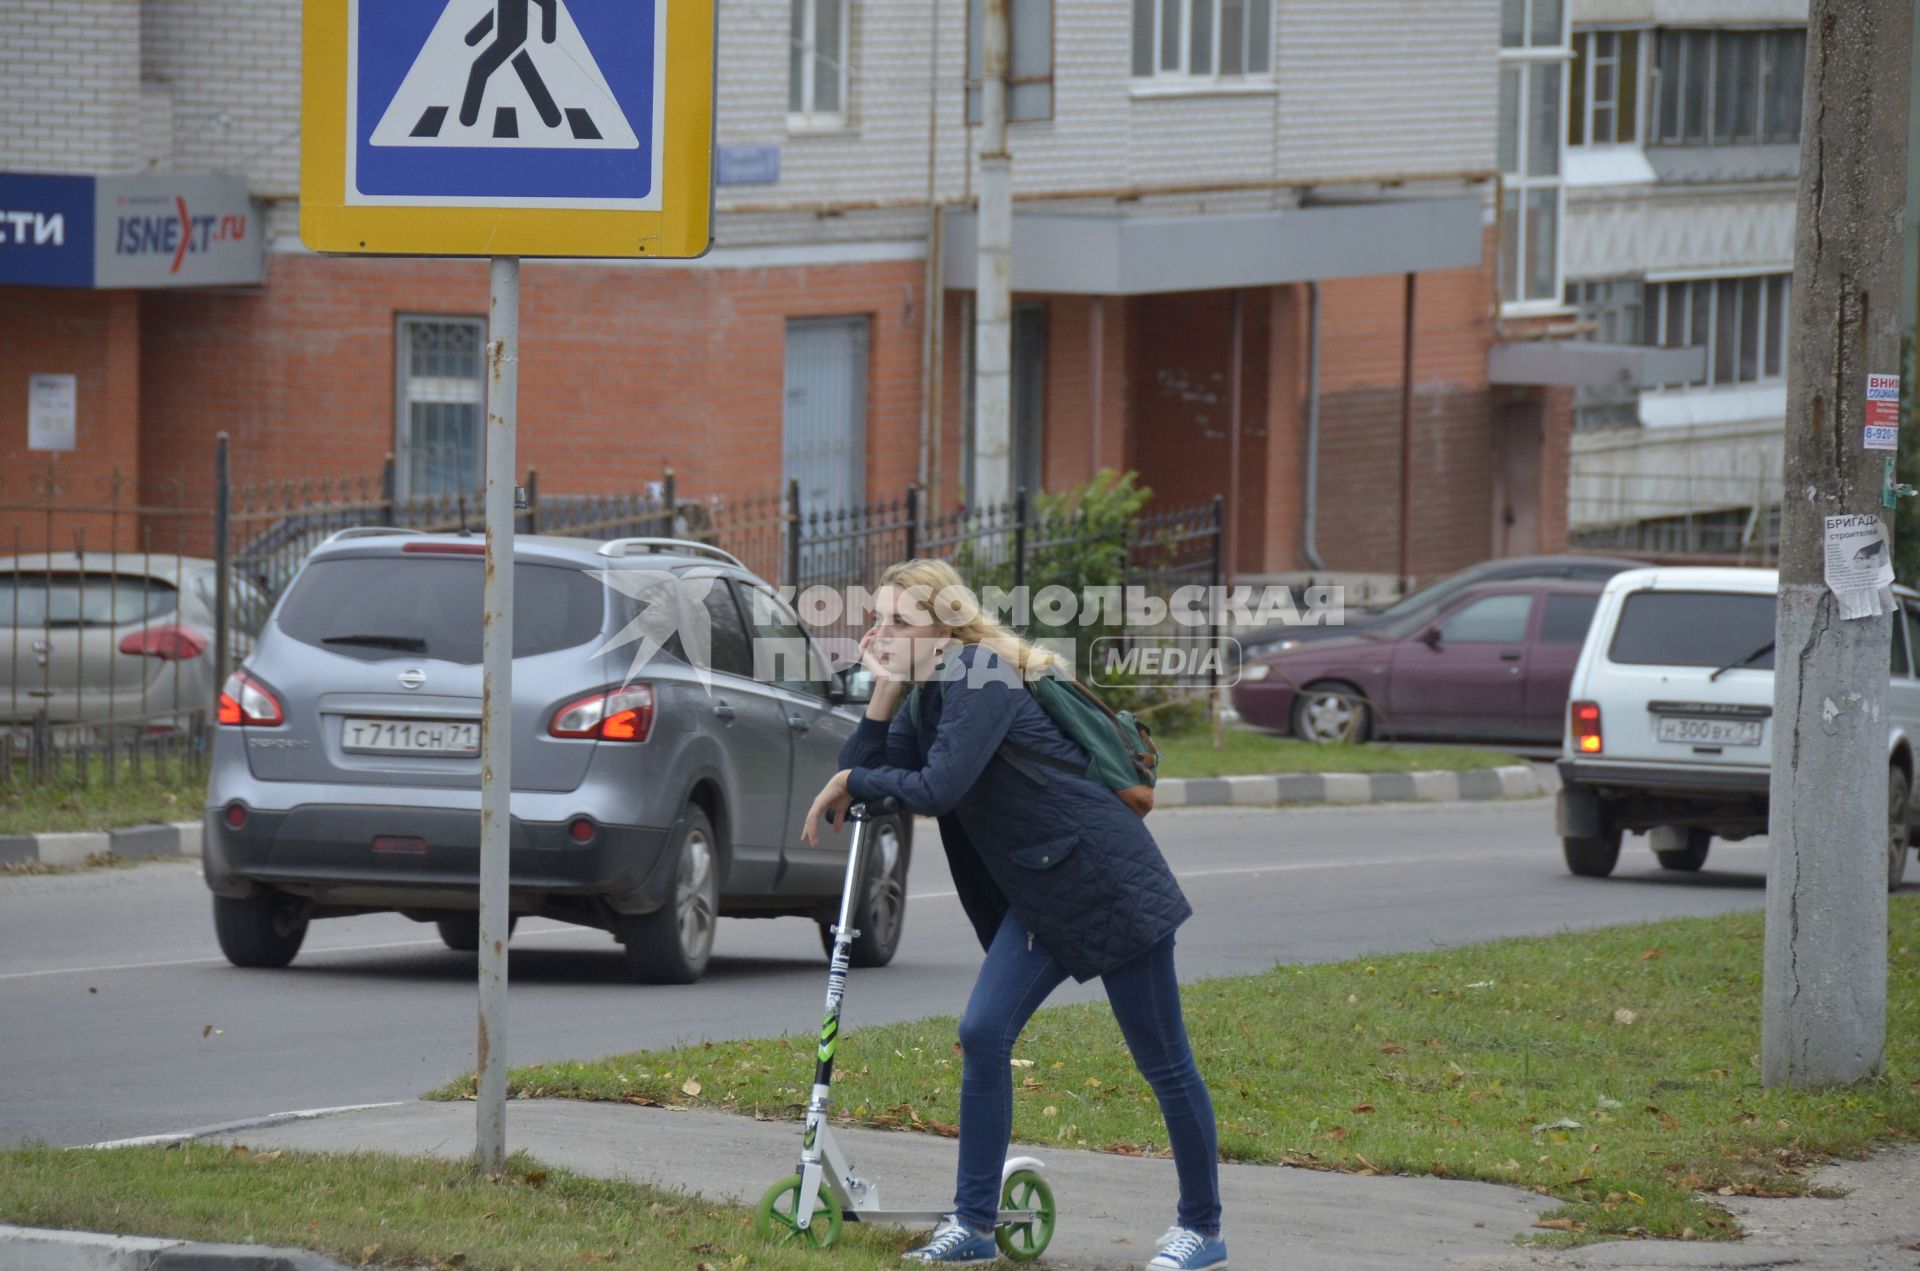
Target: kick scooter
[(807, 1208)]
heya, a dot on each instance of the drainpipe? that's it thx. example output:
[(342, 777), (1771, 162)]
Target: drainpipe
[(934, 293), (1309, 546), (993, 276)]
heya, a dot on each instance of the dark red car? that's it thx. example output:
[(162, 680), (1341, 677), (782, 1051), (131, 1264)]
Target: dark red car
[(1493, 665)]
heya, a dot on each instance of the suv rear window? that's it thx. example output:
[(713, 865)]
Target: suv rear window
[(82, 600), (375, 607), (1693, 628)]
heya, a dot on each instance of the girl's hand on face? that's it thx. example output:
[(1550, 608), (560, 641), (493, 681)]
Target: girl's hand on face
[(832, 802)]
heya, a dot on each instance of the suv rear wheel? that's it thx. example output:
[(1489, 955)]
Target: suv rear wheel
[(880, 906), (673, 944), (1681, 847), (1595, 856), (1899, 837), (263, 930)]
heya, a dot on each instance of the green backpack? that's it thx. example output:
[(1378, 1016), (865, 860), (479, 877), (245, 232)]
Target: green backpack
[(1122, 755)]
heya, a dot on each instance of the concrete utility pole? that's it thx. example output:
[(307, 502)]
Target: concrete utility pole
[(1825, 998), (993, 308)]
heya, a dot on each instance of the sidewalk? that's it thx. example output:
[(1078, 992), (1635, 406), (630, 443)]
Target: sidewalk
[(1114, 1207)]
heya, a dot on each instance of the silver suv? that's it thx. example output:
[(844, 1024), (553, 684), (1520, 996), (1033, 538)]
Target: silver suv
[(346, 770)]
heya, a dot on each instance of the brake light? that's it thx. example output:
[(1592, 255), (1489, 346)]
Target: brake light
[(447, 549), (1586, 727), (245, 700), (169, 644), (619, 714)]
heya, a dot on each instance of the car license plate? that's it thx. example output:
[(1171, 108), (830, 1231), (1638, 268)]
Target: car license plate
[(1708, 732), (412, 736)]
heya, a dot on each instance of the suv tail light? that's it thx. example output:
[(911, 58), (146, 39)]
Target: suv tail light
[(169, 644), (616, 714), (1586, 727), (245, 700)]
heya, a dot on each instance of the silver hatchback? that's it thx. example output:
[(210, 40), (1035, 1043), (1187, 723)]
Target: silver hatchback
[(647, 802)]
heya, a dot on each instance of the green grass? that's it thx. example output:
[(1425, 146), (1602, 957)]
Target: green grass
[(163, 790), (1464, 1064), (368, 1209), (1191, 754)]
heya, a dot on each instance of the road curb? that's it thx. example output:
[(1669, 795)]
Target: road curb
[(1511, 782), (44, 1249), (135, 842)]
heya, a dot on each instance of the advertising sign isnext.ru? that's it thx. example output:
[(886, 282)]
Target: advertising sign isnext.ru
[(508, 127)]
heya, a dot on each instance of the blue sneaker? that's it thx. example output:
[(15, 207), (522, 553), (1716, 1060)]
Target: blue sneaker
[(954, 1244), (1182, 1249)]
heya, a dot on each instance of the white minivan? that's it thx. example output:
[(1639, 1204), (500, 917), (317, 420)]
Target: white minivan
[(1669, 719)]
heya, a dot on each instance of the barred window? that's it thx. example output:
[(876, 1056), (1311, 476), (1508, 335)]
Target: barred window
[(441, 405)]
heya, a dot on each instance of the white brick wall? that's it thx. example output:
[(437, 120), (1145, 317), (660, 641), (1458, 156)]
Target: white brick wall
[(1374, 87), (69, 85), (232, 68), (1361, 88)]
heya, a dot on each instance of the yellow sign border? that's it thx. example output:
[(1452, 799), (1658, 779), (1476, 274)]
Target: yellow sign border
[(681, 230)]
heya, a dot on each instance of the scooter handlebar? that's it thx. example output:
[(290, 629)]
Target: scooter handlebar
[(877, 808)]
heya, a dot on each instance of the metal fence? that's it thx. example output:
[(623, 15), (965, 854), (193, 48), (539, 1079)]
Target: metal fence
[(128, 603)]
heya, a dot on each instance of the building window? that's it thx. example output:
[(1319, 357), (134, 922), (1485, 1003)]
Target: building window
[(1741, 322), (1533, 56), (1183, 39), (1740, 532), (1029, 60), (442, 405), (1604, 110), (817, 63), (1717, 88), (1615, 310)]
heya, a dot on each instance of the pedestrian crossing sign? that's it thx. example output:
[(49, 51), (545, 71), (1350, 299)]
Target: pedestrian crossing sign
[(508, 127)]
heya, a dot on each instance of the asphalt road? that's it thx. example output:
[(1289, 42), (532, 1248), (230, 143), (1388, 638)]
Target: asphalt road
[(110, 981)]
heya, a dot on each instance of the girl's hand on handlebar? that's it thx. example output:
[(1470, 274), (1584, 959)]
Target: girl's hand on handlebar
[(832, 802)]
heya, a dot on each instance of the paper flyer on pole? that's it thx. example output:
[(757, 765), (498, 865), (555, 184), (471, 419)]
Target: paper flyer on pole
[(1859, 565)]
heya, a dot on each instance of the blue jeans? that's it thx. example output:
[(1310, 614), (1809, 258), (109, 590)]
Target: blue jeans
[(1016, 977)]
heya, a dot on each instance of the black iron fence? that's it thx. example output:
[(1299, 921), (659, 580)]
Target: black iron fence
[(128, 604)]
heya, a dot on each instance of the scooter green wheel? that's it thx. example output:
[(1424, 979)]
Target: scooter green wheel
[(778, 1216), (1027, 1239)]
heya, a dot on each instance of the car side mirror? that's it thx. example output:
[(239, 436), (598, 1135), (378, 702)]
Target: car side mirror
[(1431, 637), (857, 684)]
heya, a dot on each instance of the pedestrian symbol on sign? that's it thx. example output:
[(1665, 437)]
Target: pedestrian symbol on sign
[(555, 97), (551, 103)]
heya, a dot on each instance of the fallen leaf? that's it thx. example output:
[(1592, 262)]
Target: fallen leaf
[(1049, 1111), (1021, 1063), (1364, 1107), (366, 1254), (1093, 1083), (92, 989), (207, 1031), (1391, 1049), (1555, 1224), (639, 1100), (1624, 1016), (240, 1149), (690, 1088), (1650, 955), (1610, 1103), (1564, 1123)]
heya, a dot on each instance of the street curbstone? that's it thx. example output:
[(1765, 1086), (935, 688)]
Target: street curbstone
[(45, 1249), (130, 843), (1252, 791), (1517, 781), (1347, 787), (73, 848), (1268, 789)]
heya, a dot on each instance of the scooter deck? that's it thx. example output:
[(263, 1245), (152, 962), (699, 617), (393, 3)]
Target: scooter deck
[(919, 1217)]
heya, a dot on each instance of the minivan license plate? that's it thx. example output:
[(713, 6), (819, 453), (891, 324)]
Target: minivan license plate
[(1708, 732), (411, 736)]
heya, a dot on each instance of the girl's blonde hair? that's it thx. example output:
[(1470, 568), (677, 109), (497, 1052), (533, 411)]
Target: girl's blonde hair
[(938, 587)]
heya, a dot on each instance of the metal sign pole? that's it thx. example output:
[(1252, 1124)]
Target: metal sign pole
[(496, 732)]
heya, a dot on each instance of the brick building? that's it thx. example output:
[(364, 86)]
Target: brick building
[(1222, 209)]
